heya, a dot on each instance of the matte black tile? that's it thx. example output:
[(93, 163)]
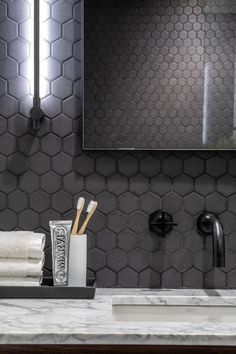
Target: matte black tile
[(193, 278), (95, 183), (172, 203), (107, 202), (117, 184), (217, 203), (17, 201), (226, 185), (62, 201), (84, 165), (127, 278), (128, 166), (160, 185), (160, 261), (42, 174), (18, 163), (149, 278), (150, 166), (40, 201), (194, 166), (73, 183), (172, 166), (106, 277), (204, 185), (62, 125), (149, 202), (194, 203), (171, 279), (229, 222), (97, 223), (117, 259), (127, 240), (215, 279), (182, 260), (40, 163), (139, 184), (106, 240), (29, 144), (29, 182), (128, 203), (96, 259), (28, 220), (106, 165), (138, 260), (8, 144), (62, 164), (172, 242), (216, 166), (51, 182), (51, 144), (138, 222), (8, 220), (117, 221), (8, 182), (183, 185)]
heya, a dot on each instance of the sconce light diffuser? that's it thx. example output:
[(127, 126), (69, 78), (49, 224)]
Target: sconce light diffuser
[(36, 112)]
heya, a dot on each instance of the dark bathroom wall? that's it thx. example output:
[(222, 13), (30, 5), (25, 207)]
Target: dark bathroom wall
[(159, 74), (43, 174), (143, 74)]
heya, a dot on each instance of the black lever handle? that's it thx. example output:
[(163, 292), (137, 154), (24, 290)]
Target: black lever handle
[(161, 222), (164, 223)]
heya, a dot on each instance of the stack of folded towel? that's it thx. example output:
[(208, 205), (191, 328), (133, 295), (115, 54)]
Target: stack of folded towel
[(21, 258)]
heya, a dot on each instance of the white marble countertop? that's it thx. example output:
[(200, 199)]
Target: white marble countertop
[(38, 321)]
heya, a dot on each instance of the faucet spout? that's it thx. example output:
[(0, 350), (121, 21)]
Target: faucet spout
[(218, 242), (209, 224)]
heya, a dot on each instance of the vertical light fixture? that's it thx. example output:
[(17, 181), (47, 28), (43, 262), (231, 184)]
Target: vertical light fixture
[(234, 119), (36, 112), (205, 106)]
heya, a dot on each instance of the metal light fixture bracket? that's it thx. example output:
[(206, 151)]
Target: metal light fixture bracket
[(36, 112)]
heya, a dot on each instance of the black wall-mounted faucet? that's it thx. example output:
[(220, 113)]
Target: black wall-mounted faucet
[(209, 224)]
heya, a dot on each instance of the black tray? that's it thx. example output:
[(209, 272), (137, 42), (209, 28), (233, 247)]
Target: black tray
[(48, 291)]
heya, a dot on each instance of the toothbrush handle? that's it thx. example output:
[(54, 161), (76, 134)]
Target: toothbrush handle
[(83, 227), (76, 223)]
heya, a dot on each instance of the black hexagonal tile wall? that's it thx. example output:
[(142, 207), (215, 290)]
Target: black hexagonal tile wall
[(144, 74), (43, 174)]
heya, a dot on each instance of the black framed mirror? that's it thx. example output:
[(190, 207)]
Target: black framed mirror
[(159, 74)]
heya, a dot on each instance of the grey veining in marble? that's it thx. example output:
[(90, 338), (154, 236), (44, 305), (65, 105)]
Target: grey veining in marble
[(178, 300), (90, 322)]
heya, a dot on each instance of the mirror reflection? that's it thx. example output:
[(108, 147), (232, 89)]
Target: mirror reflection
[(159, 74)]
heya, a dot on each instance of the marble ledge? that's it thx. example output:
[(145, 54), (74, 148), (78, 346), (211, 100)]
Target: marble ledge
[(90, 322)]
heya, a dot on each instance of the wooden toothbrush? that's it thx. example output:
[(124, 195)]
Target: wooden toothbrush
[(80, 206), (90, 211)]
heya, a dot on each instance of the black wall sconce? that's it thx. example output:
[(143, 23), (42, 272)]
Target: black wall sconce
[(36, 112)]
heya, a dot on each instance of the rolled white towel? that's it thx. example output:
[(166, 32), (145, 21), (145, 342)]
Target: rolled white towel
[(10, 267), (20, 281), (21, 244)]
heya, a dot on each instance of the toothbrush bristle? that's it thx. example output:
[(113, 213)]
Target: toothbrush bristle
[(90, 206), (80, 203)]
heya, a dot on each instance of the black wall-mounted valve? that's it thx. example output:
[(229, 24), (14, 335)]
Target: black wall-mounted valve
[(36, 114), (161, 222)]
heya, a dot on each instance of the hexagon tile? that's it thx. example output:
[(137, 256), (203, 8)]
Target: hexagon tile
[(43, 174)]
